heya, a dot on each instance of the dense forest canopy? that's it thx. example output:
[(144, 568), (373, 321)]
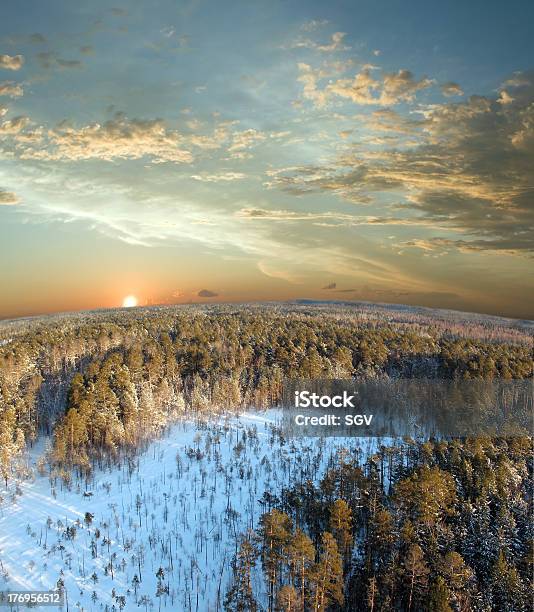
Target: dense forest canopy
[(439, 526), (115, 378)]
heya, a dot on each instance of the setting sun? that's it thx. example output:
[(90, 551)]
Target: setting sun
[(129, 301)]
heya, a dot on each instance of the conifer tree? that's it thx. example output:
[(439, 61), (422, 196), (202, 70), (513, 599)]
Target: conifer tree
[(439, 596), (11, 442), (240, 597), (302, 555), (341, 527), (415, 572), (371, 593), (287, 599), (70, 441), (508, 592), (457, 576), (275, 531), (381, 536), (327, 575)]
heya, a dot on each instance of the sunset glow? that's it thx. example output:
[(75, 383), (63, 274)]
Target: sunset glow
[(355, 151), (130, 301)]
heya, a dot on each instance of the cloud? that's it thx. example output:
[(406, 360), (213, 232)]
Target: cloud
[(11, 62), (330, 286), (13, 126), (11, 90), (281, 269), (359, 90), (125, 138), (352, 180), (47, 59), (168, 31), (313, 24), (241, 141), (441, 246), (8, 198), (87, 50), (3, 110), (323, 219), (366, 88), (128, 210), (388, 120), (68, 63), (388, 90), (219, 177), (119, 138), (450, 89), (425, 245), (401, 86), (469, 171), (288, 215), (336, 43), (206, 293), (310, 80), (311, 77), (367, 292)]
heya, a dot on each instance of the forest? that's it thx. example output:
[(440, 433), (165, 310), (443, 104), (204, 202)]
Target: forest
[(410, 525)]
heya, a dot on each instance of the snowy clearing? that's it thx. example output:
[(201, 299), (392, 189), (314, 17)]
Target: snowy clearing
[(179, 506)]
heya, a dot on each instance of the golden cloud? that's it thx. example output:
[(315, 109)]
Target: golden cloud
[(469, 171), (11, 90), (8, 198), (11, 62)]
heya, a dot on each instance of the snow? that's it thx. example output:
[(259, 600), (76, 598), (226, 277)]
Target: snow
[(155, 511)]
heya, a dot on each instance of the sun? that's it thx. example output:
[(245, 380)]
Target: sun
[(129, 301)]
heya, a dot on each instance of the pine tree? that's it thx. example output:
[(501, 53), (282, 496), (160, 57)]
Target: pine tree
[(341, 527), (70, 441), (415, 572), (327, 575), (275, 531), (11, 442), (135, 584), (439, 596), (371, 593), (457, 576), (508, 591), (427, 495), (381, 535), (287, 599), (240, 597), (301, 555)]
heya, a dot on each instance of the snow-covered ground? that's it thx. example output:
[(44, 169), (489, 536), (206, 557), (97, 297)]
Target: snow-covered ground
[(179, 506)]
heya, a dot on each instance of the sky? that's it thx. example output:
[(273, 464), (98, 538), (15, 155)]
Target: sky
[(246, 151)]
